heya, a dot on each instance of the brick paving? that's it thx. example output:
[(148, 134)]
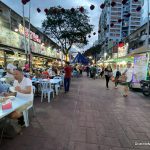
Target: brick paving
[(89, 117)]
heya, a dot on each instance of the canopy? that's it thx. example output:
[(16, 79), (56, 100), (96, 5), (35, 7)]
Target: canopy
[(80, 59)]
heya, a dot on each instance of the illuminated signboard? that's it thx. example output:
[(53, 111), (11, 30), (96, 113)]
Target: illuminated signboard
[(33, 36), (122, 51), (140, 67)]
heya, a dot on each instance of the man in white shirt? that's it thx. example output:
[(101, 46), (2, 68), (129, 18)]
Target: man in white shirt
[(10, 67), (23, 88), (128, 73)]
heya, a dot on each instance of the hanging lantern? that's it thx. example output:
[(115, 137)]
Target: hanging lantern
[(94, 33), (121, 44), (92, 7), (102, 6), (113, 4), (23, 2), (63, 10), (72, 10), (112, 24), (136, 0), (119, 20), (89, 36), (38, 10), (99, 31), (138, 8), (124, 2), (81, 9), (105, 28), (128, 15), (46, 10)]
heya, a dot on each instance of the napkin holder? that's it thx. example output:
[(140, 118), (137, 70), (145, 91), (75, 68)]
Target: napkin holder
[(7, 105)]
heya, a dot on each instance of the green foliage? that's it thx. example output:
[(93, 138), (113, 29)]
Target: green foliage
[(67, 27)]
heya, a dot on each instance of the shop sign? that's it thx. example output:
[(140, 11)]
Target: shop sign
[(33, 36), (140, 67), (114, 55), (122, 51)]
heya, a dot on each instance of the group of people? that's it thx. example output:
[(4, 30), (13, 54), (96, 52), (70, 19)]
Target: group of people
[(117, 76)]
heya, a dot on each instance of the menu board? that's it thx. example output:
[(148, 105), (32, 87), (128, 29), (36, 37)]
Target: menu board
[(140, 67)]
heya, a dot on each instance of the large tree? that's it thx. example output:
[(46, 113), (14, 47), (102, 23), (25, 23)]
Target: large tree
[(67, 27)]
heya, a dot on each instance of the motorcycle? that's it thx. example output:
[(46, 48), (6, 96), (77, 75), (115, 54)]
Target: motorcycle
[(145, 86)]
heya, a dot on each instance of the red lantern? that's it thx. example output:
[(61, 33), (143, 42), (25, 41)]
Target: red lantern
[(72, 10), (112, 24), (124, 2), (138, 8), (113, 4), (102, 6), (46, 10), (121, 44), (24, 2), (81, 9), (63, 10), (119, 20), (92, 7), (38, 10), (94, 33), (128, 15)]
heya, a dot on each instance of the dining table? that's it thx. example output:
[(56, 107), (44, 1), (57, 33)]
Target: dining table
[(16, 103)]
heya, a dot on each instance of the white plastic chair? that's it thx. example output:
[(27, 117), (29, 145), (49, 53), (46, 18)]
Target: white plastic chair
[(25, 112), (58, 86), (46, 89)]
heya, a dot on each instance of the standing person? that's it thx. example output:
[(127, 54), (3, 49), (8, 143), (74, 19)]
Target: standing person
[(116, 74), (108, 74), (128, 73), (67, 78), (10, 68), (87, 70), (102, 72), (26, 67)]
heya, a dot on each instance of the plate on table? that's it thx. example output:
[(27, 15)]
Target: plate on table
[(12, 89), (11, 97)]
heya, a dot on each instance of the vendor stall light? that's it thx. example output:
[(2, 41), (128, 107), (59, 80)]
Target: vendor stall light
[(16, 30), (105, 54)]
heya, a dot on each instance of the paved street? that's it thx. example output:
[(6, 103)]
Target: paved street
[(88, 118)]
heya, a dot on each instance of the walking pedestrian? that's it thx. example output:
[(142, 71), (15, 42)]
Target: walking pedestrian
[(116, 74), (67, 78), (128, 73), (108, 74), (87, 70)]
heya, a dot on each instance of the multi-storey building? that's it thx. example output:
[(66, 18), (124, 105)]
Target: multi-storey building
[(119, 21)]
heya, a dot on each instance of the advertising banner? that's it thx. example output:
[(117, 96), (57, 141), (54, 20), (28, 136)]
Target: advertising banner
[(140, 67)]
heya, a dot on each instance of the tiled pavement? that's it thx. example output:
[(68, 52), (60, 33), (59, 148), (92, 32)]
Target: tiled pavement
[(88, 118)]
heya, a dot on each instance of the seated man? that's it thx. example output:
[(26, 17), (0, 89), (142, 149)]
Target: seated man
[(23, 88)]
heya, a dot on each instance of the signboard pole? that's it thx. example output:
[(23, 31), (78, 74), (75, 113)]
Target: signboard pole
[(24, 32), (29, 50)]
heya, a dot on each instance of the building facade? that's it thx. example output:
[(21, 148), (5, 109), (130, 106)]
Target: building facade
[(118, 21), (14, 37)]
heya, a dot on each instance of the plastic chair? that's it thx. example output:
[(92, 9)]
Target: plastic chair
[(25, 112), (58, 86), (46, 89)]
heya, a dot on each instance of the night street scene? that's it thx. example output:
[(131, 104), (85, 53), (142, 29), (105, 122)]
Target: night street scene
[(74, 74)]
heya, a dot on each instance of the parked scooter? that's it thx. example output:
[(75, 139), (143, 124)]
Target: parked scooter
[(145, 86)]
